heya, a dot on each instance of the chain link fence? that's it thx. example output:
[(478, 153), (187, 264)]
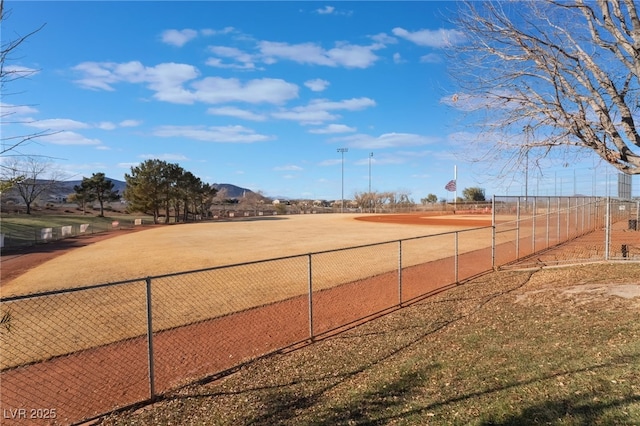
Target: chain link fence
[(587, 228), (16, 236), (72, 355)]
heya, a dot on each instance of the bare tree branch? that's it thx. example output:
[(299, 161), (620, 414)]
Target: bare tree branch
[(8, 74), (30, 178), (568, 70)]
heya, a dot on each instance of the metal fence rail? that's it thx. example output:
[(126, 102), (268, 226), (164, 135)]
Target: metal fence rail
[(78, 353)]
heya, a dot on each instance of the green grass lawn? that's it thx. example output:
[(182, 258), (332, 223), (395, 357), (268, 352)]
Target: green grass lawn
[(26, 229)]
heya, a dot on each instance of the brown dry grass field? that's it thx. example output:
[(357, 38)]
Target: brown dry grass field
[(85, 319), (177, 248)]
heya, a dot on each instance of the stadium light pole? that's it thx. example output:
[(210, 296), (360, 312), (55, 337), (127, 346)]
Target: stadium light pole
[(370, 197), (342, 151)]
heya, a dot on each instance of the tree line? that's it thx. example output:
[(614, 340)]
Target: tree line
[(165, 190), (399, 200), (156, 186)]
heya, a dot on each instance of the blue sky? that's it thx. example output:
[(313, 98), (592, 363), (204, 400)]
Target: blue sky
[(257, 94)]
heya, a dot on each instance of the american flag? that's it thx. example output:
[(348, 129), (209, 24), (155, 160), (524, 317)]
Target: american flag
[(451, 186)]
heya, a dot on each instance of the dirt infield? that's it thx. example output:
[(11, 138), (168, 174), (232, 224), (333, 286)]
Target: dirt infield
[(88, 382), (472, 221)]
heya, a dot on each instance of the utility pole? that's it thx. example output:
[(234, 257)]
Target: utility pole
[(342, 151)]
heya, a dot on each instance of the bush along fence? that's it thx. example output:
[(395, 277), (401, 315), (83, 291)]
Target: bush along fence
[(71, 355)]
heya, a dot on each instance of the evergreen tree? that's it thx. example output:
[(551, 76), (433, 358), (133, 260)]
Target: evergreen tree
[(99, 188)]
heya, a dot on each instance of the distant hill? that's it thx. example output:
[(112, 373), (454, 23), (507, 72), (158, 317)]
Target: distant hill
[(233, 191), (65, 188)]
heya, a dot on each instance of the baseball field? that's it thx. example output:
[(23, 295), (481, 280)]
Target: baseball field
[(178, 248), (213, 317), (69, 336)]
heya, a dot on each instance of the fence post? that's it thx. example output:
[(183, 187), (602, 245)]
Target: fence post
[(568, 219), (548, 221), (576, 227), (533, 224), (152, 391), (310, 281), (518, 228), (400, 273), (455, 256), (558, 214), (607, 228), (493, 235)]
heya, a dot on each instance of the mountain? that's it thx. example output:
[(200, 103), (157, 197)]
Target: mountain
[(233, 191), (65, 188)]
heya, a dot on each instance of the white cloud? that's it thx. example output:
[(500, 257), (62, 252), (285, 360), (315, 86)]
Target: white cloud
[(16, 71), (386, 140), (265, 90), (130, 123), (66, 124), (237, 113), (327, 10), (305, 116), (211, 32), (165, 79), (397, 58), (224, 134), (317, 111), (333, 128), (431, 38), (58, 124), (218, 63), (384, 38), (431, 58), (106, 125), (353, 104), (343, 55), (127, 165), (317, 85), (168, 80), (331, 10), (289, 168), (96, 75), (7, 110), (178, 37), (69, 138), (247, 60), (164, 157), (330, 162)]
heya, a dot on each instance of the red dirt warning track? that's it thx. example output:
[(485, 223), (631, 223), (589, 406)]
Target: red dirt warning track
[(431, 220)]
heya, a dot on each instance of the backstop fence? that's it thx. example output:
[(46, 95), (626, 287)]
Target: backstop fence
[(71, 355)]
